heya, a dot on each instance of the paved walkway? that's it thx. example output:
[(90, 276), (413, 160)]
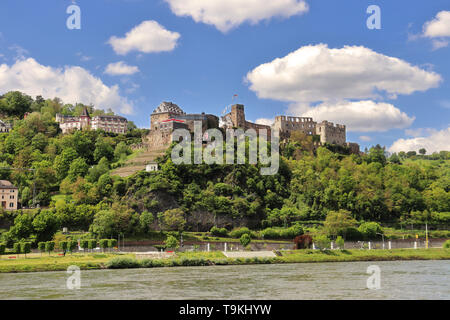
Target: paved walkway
[(249, 254)]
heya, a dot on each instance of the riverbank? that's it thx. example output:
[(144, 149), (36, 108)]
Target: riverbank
[(92, 261)]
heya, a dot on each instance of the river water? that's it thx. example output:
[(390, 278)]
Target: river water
[(345, 280)]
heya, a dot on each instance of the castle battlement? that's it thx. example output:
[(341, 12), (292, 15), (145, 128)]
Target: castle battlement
[(168, 116)]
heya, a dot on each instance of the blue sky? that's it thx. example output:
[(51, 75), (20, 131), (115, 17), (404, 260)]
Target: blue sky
[(210, 62)]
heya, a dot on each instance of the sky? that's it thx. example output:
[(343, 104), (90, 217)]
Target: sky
[(389, 86)]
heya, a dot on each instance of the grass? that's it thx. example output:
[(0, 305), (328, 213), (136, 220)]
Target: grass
[(36, 262)]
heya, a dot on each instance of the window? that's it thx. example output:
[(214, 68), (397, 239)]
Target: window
[(11, 196), (11, 204)]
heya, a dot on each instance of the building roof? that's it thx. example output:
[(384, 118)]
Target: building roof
[(5, 184), (85, 113), (168, 107)]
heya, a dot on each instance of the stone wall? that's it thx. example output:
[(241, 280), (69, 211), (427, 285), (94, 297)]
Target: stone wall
[(330, 133)]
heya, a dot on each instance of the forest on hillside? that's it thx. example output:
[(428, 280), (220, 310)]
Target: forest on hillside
[(74, 187)]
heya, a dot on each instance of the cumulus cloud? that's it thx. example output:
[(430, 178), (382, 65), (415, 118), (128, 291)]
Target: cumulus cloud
[(439, 26), (120, 68), (226, 15), (316, 73), (365, 138), (265, 121), (435, 142), (360, 116), (72, 84), (148, 37), (438, 29)]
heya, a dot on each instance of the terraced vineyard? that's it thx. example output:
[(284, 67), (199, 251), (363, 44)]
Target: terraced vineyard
[(137, 163)]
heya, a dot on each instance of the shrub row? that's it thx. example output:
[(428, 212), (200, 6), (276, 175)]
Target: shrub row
[(282, 233), (129, 263)]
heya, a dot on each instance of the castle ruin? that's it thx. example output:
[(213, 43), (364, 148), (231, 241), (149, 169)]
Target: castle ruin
[(168, 116)]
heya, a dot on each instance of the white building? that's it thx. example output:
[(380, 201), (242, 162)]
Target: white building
[(114, 124)]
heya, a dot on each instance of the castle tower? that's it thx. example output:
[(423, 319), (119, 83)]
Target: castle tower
[(85, 120), (238, 115)]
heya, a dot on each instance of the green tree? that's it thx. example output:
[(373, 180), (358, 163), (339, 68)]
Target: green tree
[(370, 230), (78, 168), (2, 248), (146, 220), (104, 243), (245, 240), (63, 161), (338, 222), (63, 245), (172, 220), (171, 242), (321, 241), (41, 247), (72, 245), (45, 225), (22, 228), (422, 151), (17, 247), (49, 247), (340, 242)]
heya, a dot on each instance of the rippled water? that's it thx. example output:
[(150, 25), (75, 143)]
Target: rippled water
[(399, 280)]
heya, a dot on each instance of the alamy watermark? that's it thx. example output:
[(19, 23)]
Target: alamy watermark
[(374, 21), (374, 281), (74, 20), (213, 153), (74, 281)]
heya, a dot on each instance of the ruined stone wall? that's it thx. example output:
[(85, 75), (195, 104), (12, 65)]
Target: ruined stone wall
[(330, 133)]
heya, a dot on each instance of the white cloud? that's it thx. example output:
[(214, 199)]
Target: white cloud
[(148, 37), (438, 29), (435, 142), (445, 104), (439, 26), (229, 14), (316, 73), (72, 84), (438, 44), (365, 138), (265, 121), (360, 116), (120, 68)]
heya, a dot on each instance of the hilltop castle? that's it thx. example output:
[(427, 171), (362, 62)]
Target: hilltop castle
[(168, 116)]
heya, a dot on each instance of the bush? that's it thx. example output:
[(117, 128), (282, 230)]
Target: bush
[(282, 233), (112, 243), (41, 246), (104, 243), (219, 232), (352, 234), (245, 239), (72, 245), (322, 242), (122, 263), (2, 248), (370, 230), (92, 244), (237, 233), (25, 247), (64, 245), (446, 244), (171, 242), (16, 247), (49, 246), (84, 244), (340, 242)]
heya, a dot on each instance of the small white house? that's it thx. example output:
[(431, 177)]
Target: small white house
[(151, 166)]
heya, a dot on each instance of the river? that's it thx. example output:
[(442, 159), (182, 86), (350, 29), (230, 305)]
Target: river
[(345, 280)]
